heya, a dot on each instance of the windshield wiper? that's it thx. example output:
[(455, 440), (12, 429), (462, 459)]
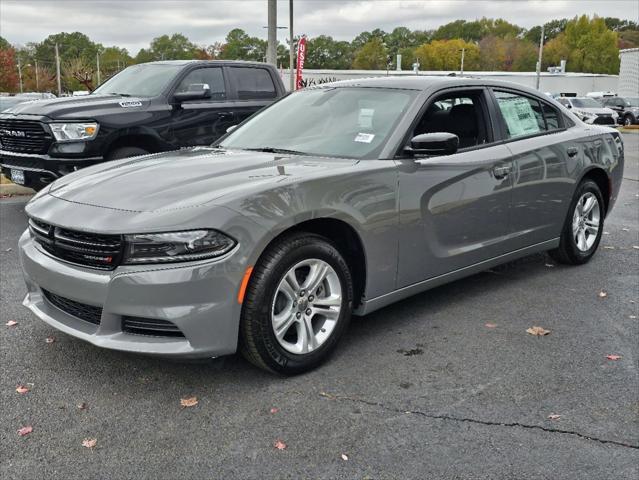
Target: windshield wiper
[(276, 150)]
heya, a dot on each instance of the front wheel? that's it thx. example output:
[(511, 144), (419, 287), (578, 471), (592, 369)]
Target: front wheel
[(297, 305), (628, 120), (583, 226)]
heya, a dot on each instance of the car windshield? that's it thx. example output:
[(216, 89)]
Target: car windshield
[(334, 122), (585, 103), (632, 101), (145, 80)]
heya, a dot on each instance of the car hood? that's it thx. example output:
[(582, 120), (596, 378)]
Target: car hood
[(186, 178), (85, 107)]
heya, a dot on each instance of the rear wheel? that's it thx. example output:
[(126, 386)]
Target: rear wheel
[(126, 152), (297, 306), (628, 120), (583, 227)]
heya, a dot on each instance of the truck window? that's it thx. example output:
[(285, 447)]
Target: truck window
[(252, 83), (212, 76)]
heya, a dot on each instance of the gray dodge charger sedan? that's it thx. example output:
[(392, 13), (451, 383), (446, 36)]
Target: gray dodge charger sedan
[(335, 200)]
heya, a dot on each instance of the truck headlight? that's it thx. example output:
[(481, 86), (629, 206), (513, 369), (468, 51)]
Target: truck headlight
[(70, 132), (175, 246)]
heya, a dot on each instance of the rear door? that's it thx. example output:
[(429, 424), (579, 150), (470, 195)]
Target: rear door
[(252, 88), (200, 122), (454, 210), (546, 155)]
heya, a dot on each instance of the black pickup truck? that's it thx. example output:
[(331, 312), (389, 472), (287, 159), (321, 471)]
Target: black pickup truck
[(146, 108)]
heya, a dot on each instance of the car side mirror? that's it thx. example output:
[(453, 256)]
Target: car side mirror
[(195, 91), (432, 144)]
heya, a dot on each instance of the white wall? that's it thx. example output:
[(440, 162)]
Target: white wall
[(579, 83), (629, 73)]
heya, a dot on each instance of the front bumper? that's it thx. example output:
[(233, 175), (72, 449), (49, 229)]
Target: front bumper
[(199, 299), (42, 169)]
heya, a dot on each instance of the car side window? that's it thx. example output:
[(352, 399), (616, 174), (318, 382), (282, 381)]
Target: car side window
[(551, 116), (252, 83), (461, 113), (212, 76), (525, 116)]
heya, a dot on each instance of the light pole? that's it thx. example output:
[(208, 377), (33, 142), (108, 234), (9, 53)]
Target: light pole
[(271, 49), (20, 67), (463, 52), (541, 52), (35, 60), (291, 54)]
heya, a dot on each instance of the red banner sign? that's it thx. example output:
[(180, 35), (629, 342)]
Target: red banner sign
[(301, 56)]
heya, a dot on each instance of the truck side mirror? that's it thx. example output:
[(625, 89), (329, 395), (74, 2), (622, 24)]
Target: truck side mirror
[(195, 91)]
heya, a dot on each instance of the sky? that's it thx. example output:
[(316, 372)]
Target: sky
[(132, 24)]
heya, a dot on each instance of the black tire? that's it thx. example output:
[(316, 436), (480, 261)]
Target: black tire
[(258, 342), (126, 152), (568, 252), (628, 120)]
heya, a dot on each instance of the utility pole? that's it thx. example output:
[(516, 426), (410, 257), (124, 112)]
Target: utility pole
[(291, 52), (541, 51), (97, 60), (36, 75), (20, 72), (57, 69), (461, 72), (271, 49)]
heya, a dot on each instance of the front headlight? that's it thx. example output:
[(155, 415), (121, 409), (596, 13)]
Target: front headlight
[(175, 246), (70, 132)]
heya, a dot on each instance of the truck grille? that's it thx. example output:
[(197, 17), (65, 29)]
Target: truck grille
[(24, 136), (85, 312), (93, 250)]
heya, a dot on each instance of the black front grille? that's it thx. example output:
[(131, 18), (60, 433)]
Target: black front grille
[(22, 162), (88, 249), (604, 120), (150, 326), (25, 136), (85, 312)]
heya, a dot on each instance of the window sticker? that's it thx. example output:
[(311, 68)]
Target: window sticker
[(519, 115), (365, 117), (364, 137)]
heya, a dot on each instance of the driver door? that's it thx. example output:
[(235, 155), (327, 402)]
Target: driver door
[(455, 209), (200, 122)]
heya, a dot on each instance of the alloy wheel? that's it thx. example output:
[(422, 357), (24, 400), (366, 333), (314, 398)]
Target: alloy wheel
[(306, 306), (586, 221)]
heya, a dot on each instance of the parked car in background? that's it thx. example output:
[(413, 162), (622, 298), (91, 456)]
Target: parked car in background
[(9, 102), (340, 198), (600, 95), (627, 108), (146, 108), (35, 95), (590, 110)]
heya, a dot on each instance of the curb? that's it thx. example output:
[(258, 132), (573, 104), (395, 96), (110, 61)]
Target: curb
[(13, 189)]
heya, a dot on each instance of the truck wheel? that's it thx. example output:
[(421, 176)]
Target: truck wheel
[(126, 152), (628, 120), (297, 305)]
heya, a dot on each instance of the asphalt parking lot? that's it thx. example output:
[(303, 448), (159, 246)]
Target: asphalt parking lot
[(447, 384)]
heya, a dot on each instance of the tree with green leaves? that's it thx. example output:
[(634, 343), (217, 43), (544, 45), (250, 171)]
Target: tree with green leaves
[(240, 46), (372, 56), (507, 54), (174, 47), (324, 52), (446, 55)]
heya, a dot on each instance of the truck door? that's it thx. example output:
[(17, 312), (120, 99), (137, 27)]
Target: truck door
[(253, 89)]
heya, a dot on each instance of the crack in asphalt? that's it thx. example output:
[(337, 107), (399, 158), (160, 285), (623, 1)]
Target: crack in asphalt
[(476, 421)]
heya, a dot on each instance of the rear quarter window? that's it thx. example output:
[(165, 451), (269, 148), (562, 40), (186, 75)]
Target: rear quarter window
[(252, 83)]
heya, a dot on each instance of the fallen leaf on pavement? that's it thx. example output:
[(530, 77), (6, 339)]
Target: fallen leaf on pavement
[(625, 229), (609, 247), (606, 233), (279, 444), (554, 416), (613, 357), (632, 317), (89, 442), (22, 389), (328, 395), (344, 457), (636, 247), (189, 402), (539, 331), (25, 430), (603, 294), (49, 339), (491, 325), (8, 249), (274, 410), (82, 406), (11, 323)]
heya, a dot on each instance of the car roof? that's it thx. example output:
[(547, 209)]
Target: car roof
[(426, 82)]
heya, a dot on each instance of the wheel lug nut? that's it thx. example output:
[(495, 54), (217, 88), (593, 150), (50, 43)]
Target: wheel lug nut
[(308, 311), (294, 304), (302, 293), (311, 298), (298, 315)]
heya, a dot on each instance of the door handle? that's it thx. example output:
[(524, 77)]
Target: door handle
[(572, 151), (502, 171)]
